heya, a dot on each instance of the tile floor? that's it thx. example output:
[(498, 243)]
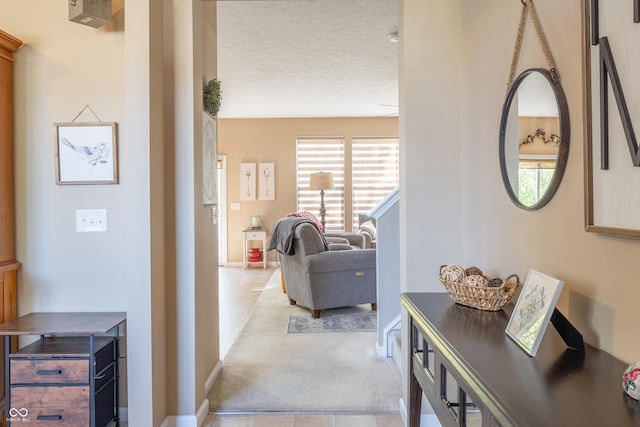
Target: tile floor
[(303, 420), (239, 290)]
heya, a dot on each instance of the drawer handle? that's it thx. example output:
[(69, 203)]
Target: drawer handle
[(49, 417), (49, 372), (416, 351)]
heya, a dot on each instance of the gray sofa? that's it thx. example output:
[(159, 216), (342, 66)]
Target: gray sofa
[(320, 278)]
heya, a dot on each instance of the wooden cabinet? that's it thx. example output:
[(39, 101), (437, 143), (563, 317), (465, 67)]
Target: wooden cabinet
[(52, 379), (8, 265)]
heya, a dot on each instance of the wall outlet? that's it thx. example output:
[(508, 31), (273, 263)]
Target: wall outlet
[(91, 220)]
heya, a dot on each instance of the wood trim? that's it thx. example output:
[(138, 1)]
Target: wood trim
[(8, 45), (9, 266)]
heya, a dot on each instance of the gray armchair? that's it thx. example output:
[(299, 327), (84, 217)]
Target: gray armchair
[(319, 278)]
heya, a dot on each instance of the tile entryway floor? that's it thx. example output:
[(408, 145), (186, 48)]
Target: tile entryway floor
[(304, 420)]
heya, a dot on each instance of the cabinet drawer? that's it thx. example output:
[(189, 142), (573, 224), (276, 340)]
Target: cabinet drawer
[(41, 417), (252, 235), (49, 371), (50, 397)]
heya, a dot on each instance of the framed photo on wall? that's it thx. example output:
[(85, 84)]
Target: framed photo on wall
[(86, 153), (533, 311)]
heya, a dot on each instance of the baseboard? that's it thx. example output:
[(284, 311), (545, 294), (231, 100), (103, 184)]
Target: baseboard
[(123, 413), (426, 420), (384, 350), (208, 384), (403, 410), (188, 420)]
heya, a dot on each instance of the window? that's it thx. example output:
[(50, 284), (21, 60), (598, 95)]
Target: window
[(534, 176), (321, 155), (373, 173)]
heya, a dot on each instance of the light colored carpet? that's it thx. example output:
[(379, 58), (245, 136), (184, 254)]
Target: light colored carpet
[(269, 370)]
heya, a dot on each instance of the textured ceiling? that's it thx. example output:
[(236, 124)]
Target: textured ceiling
[(307, 58)]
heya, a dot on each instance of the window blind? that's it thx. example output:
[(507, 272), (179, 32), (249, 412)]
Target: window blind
[(321, 155), (374, 173)]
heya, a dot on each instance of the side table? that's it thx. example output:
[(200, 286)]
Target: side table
[(254, 234), (70, 376)]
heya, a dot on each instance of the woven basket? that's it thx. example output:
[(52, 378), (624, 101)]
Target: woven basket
[(481, 297)]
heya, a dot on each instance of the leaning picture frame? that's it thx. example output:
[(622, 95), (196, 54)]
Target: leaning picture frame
[(86, 153), (533, 310)]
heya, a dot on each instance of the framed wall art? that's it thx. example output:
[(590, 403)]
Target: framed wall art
[(247, 181), (267, 179), (611, 112), (209, 160), (533, 310), (86, 153)]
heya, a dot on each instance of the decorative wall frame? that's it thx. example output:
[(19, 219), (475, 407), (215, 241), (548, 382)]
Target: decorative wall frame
[(533, 310), (86, 153), (612, 156), (267, 179), (209, 160), (247, 181)]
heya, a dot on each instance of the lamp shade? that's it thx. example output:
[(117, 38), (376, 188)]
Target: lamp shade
[(321, 181)]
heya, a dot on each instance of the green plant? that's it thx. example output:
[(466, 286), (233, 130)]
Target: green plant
[(212, 97)]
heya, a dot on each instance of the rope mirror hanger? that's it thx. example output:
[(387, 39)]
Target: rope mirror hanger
[(526, 5)]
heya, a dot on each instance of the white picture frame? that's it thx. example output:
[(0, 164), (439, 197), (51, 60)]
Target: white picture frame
[(533, 311), (86, 153), (267, 179), (247, 181), (209, 160)]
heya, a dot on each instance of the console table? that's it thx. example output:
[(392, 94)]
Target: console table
[(474, 375), (70, 376)]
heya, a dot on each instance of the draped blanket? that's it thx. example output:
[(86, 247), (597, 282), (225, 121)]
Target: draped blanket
[(283, 232)]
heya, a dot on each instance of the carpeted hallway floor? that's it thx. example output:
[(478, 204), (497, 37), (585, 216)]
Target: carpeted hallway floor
[(239, 291)]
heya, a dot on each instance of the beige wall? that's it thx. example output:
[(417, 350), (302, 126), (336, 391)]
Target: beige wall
[(487, 229), (274, 140), (155, 260)]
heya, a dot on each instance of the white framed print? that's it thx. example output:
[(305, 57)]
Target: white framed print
[(532, 312), (267, 179), (86, 153), (247, 181), (209, 160)]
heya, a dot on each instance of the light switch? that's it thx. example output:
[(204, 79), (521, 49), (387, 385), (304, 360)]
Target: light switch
[(91, 220), (235, 206)]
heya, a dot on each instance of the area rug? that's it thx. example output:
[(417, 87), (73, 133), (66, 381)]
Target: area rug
[(333, 323), (270, 370)]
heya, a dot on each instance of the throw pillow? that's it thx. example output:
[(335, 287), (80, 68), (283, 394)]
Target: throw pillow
[(369, 228)]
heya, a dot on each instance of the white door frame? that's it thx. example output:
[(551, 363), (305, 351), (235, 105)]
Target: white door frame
[(222, 210)]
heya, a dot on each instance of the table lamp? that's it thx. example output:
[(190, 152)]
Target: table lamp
[(321, 181)]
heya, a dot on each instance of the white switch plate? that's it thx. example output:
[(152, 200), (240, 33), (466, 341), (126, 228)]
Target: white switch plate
[(235, 206), (91, 220)]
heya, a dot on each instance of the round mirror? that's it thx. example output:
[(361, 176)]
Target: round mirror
[(534, 138)]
